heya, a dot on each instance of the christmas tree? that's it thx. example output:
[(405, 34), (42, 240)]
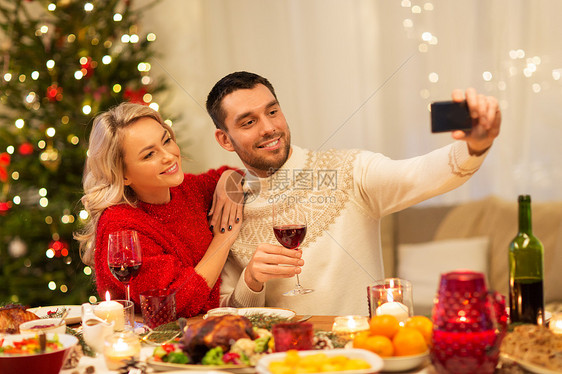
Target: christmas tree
[(62, 62)]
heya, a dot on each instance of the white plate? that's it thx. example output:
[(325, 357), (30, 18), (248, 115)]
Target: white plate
[(282, 313), (533, 368), (400, 364), (262, 367), (166, 366), (74, 312)]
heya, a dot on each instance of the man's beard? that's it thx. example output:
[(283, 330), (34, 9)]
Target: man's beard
[(265, 164)]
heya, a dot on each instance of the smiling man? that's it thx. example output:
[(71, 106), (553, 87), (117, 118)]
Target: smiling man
[(343, 194)]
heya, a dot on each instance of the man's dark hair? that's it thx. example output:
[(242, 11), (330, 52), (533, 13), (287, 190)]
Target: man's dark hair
[(230, 83)]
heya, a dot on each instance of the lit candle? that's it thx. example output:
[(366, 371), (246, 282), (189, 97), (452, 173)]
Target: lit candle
[(109, 311), (119, 348), (348, 326), (394, 308), (555, 323)]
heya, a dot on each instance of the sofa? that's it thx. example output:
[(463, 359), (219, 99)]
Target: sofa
[(421, 242)]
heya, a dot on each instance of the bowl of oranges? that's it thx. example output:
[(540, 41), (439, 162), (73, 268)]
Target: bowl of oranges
[(401, 347)]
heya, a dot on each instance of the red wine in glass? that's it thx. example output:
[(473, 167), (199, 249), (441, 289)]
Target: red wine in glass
[(290, 236), (125, 271), (124, 256), (289, 227)]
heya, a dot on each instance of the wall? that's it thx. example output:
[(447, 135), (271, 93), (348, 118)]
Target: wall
[(358, 74)]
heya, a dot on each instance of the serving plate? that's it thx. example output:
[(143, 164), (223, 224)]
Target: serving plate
[(533, 368), (74, 312), (166, 366), (404, 363), (262, 367), (281, 313)]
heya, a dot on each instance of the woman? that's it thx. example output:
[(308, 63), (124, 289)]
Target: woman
[(133, 180)]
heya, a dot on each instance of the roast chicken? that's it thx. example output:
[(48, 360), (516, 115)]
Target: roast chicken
[(11, 316), (213, 332)]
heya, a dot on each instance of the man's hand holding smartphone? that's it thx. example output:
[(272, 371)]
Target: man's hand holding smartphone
[(484, 115)]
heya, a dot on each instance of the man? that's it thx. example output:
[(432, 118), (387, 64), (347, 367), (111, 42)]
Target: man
[(343, 193)]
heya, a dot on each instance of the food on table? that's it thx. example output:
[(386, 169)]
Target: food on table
[(42, 327), (423, 325), (171, 353), (380, 345), (535, 344), (316, 363), (28, 346), (219, 331), (11, 316), (408, 341), (388, 339), (218, 340), (384, 324)]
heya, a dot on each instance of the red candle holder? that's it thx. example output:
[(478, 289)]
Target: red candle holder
[(469, 324)]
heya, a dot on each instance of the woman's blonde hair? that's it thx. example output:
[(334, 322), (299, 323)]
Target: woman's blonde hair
[(103, 179)]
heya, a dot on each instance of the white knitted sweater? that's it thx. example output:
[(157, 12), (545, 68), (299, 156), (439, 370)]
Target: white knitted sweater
[(346, 193)]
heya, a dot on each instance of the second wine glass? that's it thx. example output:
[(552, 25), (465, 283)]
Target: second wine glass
[(124, 256), (289, 227)]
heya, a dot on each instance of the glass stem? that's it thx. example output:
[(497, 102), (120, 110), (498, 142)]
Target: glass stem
[(298, 286), (298, 282), (128, 292)]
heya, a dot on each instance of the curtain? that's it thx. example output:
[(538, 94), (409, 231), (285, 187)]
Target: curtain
[(362, 73)]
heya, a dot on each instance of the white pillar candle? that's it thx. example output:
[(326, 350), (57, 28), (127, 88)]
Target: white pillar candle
[(109, 311), (394, 308)]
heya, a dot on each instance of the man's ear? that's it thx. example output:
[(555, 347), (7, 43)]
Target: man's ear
[(224, 140)]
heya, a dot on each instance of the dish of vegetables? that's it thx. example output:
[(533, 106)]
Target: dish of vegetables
[(240, 358), (29, 346)]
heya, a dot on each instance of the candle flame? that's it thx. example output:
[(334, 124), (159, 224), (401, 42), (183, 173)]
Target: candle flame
[(107, 296), (351, 323)]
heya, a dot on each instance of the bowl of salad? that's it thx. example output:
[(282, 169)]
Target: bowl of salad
[(21, 353)]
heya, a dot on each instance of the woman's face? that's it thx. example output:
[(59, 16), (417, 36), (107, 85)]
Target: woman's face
[(152, 161)]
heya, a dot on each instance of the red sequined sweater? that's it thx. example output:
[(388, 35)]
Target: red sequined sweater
[(173, 237)]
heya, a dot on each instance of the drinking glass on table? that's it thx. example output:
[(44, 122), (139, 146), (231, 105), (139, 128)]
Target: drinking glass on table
[(124, 256), (289, 227)]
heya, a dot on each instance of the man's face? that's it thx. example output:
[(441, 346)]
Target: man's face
[(256, 129)]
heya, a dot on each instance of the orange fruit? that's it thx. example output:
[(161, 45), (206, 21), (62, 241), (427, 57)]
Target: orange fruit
[(423, 325), (384, 324), (408, 341), (380, 345), (360, 339)]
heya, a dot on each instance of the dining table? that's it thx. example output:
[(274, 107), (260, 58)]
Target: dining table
[(97, 364), (89, 365)]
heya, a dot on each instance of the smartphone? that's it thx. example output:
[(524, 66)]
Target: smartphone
[(450, 116)]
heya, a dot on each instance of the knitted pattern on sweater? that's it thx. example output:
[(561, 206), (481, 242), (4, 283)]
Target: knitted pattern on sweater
[(173, 237)]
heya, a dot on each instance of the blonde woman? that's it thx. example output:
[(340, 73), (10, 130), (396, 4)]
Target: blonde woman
[(133, 180)]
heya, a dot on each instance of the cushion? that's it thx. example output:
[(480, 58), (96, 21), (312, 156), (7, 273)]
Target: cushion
[(423, 263)]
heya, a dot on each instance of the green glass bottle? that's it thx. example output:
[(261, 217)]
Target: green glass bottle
[(526, 269)]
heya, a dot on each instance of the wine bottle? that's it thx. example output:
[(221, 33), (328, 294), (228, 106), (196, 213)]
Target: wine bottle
[(526, 269)]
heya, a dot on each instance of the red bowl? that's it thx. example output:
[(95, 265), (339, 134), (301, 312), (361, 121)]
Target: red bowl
[(44, 363)]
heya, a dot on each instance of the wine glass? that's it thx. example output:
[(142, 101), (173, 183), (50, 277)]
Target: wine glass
[(124, 256), (289, 227)]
